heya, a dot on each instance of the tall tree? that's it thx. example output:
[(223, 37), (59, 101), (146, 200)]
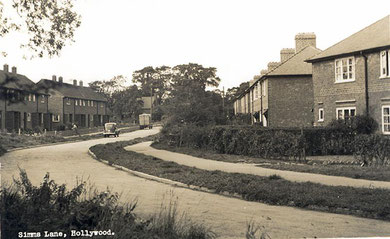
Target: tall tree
[(127, 103), (188, 99), (153, 81), (108, 87), (50, 24)]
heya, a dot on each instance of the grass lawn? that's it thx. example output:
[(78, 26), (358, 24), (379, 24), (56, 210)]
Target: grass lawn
[(327, 165), (10, 141), (363, 202)]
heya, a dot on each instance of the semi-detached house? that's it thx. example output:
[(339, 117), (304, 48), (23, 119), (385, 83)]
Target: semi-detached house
[(22, 105), (74, 103), (352, 77), (282, 96)]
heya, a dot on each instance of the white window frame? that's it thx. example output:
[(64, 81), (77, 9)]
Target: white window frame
[(56, 118), (28, 117), (383, 120), (101, 105), (91, 102), (33, 97), (80, 102), (29, 97), (75, 102), (343, 109), (42, 98), (321, 115), (338, 70), (384, 60)]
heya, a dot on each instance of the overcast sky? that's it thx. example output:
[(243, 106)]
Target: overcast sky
[(239, 38)]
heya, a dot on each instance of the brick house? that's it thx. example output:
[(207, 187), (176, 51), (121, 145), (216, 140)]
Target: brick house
[(22, 105), (352, 77), (73, 103), (282, 96)]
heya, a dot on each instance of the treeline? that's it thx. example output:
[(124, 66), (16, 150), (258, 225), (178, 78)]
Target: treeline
[(184, 93)]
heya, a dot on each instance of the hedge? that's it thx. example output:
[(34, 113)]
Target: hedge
[(278, 143)]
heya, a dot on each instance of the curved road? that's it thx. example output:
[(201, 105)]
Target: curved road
[(226, 216)]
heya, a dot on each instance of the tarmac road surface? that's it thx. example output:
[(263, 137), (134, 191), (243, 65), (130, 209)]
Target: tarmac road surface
[(226, 216)]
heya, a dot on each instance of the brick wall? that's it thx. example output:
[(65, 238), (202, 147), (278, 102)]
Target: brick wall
[(290, 101), (330, 95)]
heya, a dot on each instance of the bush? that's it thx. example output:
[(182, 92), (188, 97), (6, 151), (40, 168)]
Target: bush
[(372, 149), (2, 150), (60, 127), (360, 124)]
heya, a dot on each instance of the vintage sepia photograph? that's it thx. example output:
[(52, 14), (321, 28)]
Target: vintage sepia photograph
[(195, 119)]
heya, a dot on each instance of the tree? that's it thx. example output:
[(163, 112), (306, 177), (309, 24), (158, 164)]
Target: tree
[(127, 103), (153, 80), (49, 24), (188, 99), (110, 86)]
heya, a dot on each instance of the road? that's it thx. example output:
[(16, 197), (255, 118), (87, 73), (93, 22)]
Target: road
[(226, 216)]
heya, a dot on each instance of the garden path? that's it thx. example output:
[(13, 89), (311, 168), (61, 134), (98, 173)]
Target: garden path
[(208, 164)]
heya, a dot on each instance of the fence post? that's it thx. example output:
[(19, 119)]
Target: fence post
[(303, 145)]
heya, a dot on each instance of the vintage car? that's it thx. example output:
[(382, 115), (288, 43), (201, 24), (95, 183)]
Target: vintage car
[(110, 129)]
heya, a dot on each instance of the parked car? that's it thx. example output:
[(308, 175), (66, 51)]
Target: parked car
[(145, 121), (110, 129)]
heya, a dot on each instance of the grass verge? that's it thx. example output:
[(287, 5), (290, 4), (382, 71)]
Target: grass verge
[(363, 202), (326, 165), (11, 141), (51, 207)]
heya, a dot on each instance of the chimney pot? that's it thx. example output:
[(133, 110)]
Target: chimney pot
[(54, 78), (74, 82), (60, 79), (263, 72), (5, 68), (81, 83), (14, 70), (303, 40), (286, 53), (272, 65)]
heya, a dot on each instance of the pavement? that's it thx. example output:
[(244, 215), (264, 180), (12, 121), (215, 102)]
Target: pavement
[(227, 216), (208, 164)]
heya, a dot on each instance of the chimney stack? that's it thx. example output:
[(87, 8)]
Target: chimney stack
[(286, 53), (75, 82), (5, 68), (303, 40), (272, 65), (54, 78), (60, 79), (14, 70), (81, 83), (263, 72)]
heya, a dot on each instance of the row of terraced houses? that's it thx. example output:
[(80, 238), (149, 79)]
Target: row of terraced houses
[(310, 87), (47, 104)]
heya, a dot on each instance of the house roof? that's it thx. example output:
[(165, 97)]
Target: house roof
[(374, 36), (296, 64), (17, 82), (72, 91)]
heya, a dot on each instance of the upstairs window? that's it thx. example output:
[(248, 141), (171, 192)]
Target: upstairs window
[(43, 99), (384, 63), (75, 102), (91, 102), (345, 69), (68, 101)]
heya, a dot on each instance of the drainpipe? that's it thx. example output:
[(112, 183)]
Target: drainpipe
[(366, 83)]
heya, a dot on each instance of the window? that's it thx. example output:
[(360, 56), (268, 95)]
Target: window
[(386, 119), (56, 118), (91, 102), (43, 99), (264, 89), (80, 103), (75, 101), (28, 117), (320, 115), (33, 97), (345, 113), (29, 97), (384, 63), (345, 69), (67, 101), (255, 91), (83, 102), (101, 105)]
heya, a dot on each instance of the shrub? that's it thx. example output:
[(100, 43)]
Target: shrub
[(2, 150), (360, 124), (372, 149), (60, 127)]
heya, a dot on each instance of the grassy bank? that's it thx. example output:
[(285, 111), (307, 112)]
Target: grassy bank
[(363, 202), (327, 165), (51, 207), (10, 141)]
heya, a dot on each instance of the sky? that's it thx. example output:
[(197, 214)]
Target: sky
[(239, 38)]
